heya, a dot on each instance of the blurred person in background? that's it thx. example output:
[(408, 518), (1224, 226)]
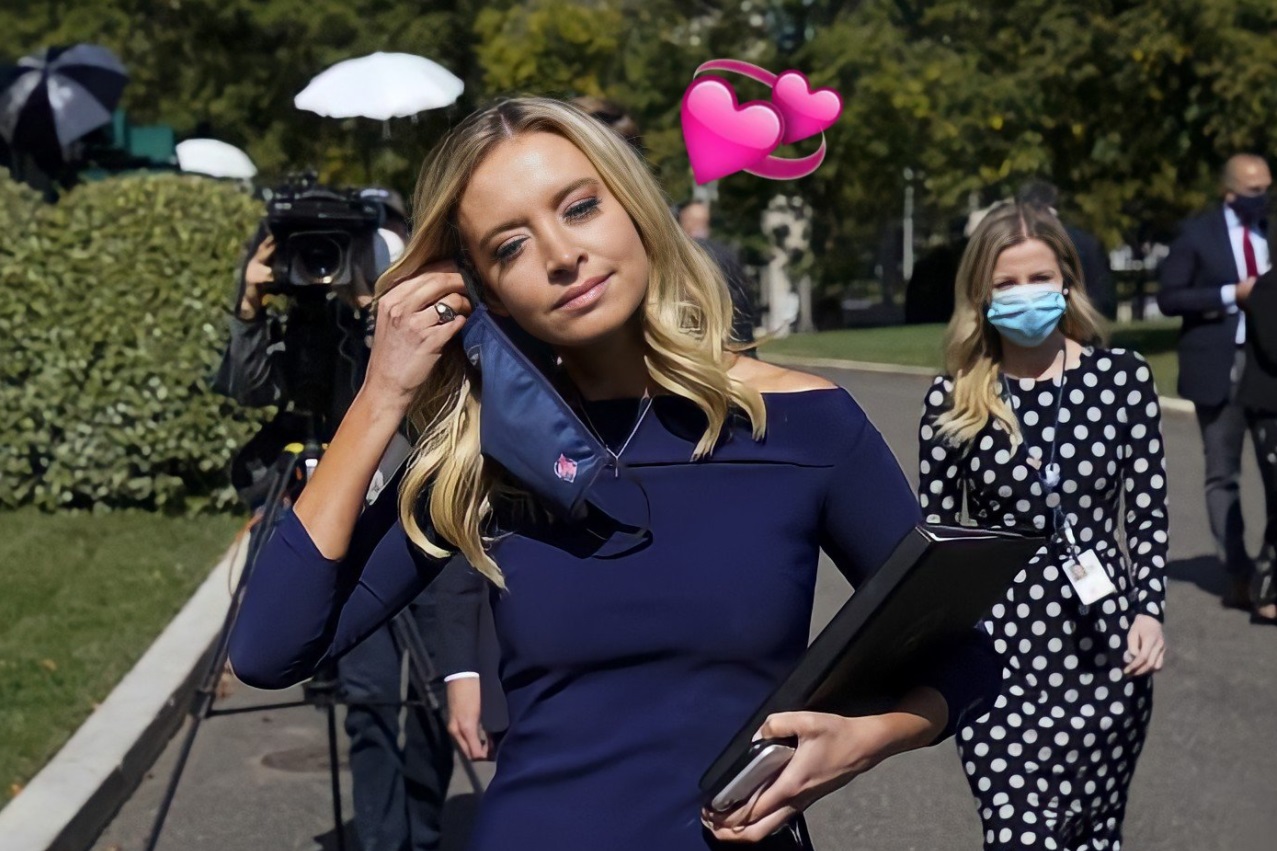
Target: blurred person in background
[(613, 115), (1257, 394), (929, 294), (694, 217), (1207, 279), (1096, 272)]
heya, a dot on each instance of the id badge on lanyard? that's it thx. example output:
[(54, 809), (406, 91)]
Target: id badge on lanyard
[(1088, 577)]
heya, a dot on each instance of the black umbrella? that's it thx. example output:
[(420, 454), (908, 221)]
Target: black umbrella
[(52, 98)]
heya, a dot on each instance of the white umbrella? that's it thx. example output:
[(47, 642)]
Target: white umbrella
[(380, 86), (214, 158)]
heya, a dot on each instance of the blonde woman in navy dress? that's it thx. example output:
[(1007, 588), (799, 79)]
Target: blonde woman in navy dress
[(1042, 430), (625, 671)]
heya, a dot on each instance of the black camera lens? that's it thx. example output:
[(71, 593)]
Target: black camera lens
[(319, 257)]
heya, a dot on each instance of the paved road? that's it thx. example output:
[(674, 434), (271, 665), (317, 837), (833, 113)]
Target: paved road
[(1207, 780)]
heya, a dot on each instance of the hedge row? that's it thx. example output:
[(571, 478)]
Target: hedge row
[(112, 320)]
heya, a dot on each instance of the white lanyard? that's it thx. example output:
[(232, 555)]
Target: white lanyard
[(1049, 475), (1084, 572)]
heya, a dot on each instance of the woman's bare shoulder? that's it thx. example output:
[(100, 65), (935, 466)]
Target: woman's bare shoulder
[(770, 378)]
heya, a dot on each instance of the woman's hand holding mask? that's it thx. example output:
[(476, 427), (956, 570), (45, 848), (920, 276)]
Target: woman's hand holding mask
[(412, 328)]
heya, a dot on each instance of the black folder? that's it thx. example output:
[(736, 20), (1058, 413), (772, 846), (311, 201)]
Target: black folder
[(937, 584)]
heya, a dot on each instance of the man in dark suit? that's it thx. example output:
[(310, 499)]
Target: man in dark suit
[(1207, 279), (1097, 275)]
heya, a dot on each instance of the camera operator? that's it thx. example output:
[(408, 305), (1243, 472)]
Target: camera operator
[(252, 371), (398, 792)]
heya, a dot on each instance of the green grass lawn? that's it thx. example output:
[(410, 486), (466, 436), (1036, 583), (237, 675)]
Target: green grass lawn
[(81, 598), (921, 345)]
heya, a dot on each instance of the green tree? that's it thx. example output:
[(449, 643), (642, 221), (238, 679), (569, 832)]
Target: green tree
[(1130, 106)]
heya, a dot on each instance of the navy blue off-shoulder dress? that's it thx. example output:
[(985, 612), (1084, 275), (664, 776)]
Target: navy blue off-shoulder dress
[(627, 675)]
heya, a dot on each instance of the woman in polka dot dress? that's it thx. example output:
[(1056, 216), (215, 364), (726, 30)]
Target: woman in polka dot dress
[(1043, 431)]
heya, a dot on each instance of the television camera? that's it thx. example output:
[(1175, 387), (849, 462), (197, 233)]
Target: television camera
[(323, 237)]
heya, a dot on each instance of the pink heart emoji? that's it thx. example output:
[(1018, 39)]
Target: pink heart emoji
[(806, 112), (721, 137)]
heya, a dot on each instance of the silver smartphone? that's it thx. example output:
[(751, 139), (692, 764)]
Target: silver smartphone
[(765, 759)]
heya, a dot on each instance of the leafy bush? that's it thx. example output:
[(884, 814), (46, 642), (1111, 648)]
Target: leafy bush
[(112, 321)]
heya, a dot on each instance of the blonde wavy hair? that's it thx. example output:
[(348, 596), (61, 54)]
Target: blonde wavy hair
[(686, 321), (973, 347)]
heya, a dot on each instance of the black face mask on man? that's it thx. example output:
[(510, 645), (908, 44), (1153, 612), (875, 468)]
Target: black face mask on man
[(1250, 208)]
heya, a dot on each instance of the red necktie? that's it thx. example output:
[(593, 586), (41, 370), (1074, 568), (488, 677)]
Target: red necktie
[(1248, 253)]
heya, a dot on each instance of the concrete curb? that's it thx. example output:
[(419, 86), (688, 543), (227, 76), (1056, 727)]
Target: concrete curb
[(1168, 403), (74, 797)]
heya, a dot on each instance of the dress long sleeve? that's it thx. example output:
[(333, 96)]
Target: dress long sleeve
[(869, 507), (301, 609), (1144, 492), (868, 510), (939, 479)]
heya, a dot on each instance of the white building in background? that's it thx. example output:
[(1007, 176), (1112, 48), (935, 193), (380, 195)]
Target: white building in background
[(786, 301), (1125, 259)]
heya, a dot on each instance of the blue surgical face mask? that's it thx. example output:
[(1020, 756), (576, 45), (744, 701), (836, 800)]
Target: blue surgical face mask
[(1026, 314)]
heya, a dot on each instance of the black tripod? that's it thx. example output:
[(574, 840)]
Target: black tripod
[(292, 472)]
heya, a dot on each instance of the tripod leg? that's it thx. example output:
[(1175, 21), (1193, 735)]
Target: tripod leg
[(200, 708), (334, 772), (171, 789), (422, 670), (202, 702)]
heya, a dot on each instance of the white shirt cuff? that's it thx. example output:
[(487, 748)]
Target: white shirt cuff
[(461, 675), (1228, 294)]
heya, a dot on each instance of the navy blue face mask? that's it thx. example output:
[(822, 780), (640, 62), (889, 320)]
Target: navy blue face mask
[(1250, 208), (528, 428)]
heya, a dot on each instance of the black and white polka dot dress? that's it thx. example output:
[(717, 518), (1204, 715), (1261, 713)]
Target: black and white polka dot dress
[(1052, 763)]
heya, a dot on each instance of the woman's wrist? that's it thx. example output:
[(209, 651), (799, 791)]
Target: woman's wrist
[(330, 504), (915, 723), (383, 404), (249, 308)]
